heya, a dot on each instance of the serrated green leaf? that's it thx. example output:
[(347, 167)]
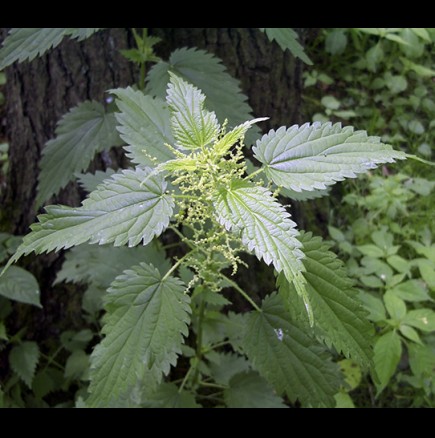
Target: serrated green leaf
[(130, 207), (81, 33), (287, 39), (264, 227), (90, 181), (423, 319), (168, 395), (287, 358), (226, 365), (25, 44), (312, 157), (23, 359), (387, 353), (250, 390), (144, 124), (20, 285), (339, 317), (206, 72), (235, 135), (84, 131), (193, 127), (147, 317)]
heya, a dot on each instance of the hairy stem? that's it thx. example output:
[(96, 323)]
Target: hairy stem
[(241, 292)]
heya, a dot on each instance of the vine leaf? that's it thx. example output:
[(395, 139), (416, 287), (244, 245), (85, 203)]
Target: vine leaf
[(193, 127), (128, 208), (147, 317), (287, 38), (206, 72), (25, 44), (340, 319), (144, 124), (312, 157), (264, 228), (84, 131), (23, 359), (287, 358)]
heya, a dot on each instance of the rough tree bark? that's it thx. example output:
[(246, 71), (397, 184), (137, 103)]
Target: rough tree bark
[(40, 92)]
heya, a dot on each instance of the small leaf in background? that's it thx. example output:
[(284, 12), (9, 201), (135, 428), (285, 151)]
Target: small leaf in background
[(336, 42), (250, 390), (423, 319), (422, 360), (330, 102), (387, 353), (168, 395), (374, 305), (23, 359), (77, 365), (412, 291), (20, 285), (410, 333), (395, 306)]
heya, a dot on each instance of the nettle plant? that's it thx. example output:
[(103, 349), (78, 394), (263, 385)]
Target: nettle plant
[(171, 337)]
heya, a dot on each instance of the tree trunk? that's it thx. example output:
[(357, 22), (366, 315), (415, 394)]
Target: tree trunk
[(40, 92)]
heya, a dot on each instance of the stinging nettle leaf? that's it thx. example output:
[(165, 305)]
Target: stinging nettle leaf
[(287, 358), (207, 73), (340, 319), (128, 208), (249, 390), (25, 44), (84, 131), (23, 359), (193, 127), (287, 38), (312, 157), (81, 33), (263, 224), (144, 124), (147, 318)]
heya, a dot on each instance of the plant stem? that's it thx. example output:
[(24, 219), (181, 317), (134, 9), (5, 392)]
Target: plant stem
[(212, 385), (241, 292), (251, 175), (186, 378), (176, 265), (199, 341)]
